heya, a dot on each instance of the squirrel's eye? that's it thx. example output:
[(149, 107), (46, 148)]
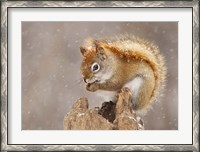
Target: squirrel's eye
[(95, 67)]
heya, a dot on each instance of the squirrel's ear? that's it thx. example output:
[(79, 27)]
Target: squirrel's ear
[(83, 50), (101, 53)]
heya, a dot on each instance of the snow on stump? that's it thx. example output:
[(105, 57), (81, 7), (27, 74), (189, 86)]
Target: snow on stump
[(111, 116)]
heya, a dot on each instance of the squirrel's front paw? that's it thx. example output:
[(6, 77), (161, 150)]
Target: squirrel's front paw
[(92, 87)]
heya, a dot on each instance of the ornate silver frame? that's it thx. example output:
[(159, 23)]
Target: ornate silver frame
[(4, 104)]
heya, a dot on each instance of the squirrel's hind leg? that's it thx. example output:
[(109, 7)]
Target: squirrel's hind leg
[(134, 86), (142, 89)]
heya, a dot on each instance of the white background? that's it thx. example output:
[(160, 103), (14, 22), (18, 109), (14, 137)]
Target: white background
[(182, 136)]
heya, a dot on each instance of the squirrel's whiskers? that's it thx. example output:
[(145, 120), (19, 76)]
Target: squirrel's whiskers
[(75, 82)]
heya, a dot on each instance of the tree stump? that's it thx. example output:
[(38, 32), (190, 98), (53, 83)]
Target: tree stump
[(117, 115)]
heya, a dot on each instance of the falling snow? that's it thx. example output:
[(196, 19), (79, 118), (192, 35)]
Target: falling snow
[(51, 79)]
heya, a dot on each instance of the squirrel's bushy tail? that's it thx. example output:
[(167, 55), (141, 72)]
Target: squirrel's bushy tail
[(135, 47)]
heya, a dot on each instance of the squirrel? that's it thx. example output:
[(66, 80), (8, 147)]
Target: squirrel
[(124, 61)]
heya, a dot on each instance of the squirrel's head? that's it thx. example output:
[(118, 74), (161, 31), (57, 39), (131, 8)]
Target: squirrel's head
[(96, 63)]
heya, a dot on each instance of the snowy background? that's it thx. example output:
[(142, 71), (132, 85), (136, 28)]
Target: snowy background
[(51, 70)]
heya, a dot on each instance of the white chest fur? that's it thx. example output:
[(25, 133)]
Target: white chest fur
[(106, 95)]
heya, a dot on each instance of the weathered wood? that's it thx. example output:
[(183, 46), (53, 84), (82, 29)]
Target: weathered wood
[(111, 116)]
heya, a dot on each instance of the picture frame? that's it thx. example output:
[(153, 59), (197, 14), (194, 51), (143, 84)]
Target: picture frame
[(5, 84)]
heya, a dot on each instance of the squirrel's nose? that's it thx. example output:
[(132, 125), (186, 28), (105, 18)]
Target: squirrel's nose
[(84, 79)]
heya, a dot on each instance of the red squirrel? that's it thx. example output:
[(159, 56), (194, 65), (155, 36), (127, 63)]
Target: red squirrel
[(124, 61)]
